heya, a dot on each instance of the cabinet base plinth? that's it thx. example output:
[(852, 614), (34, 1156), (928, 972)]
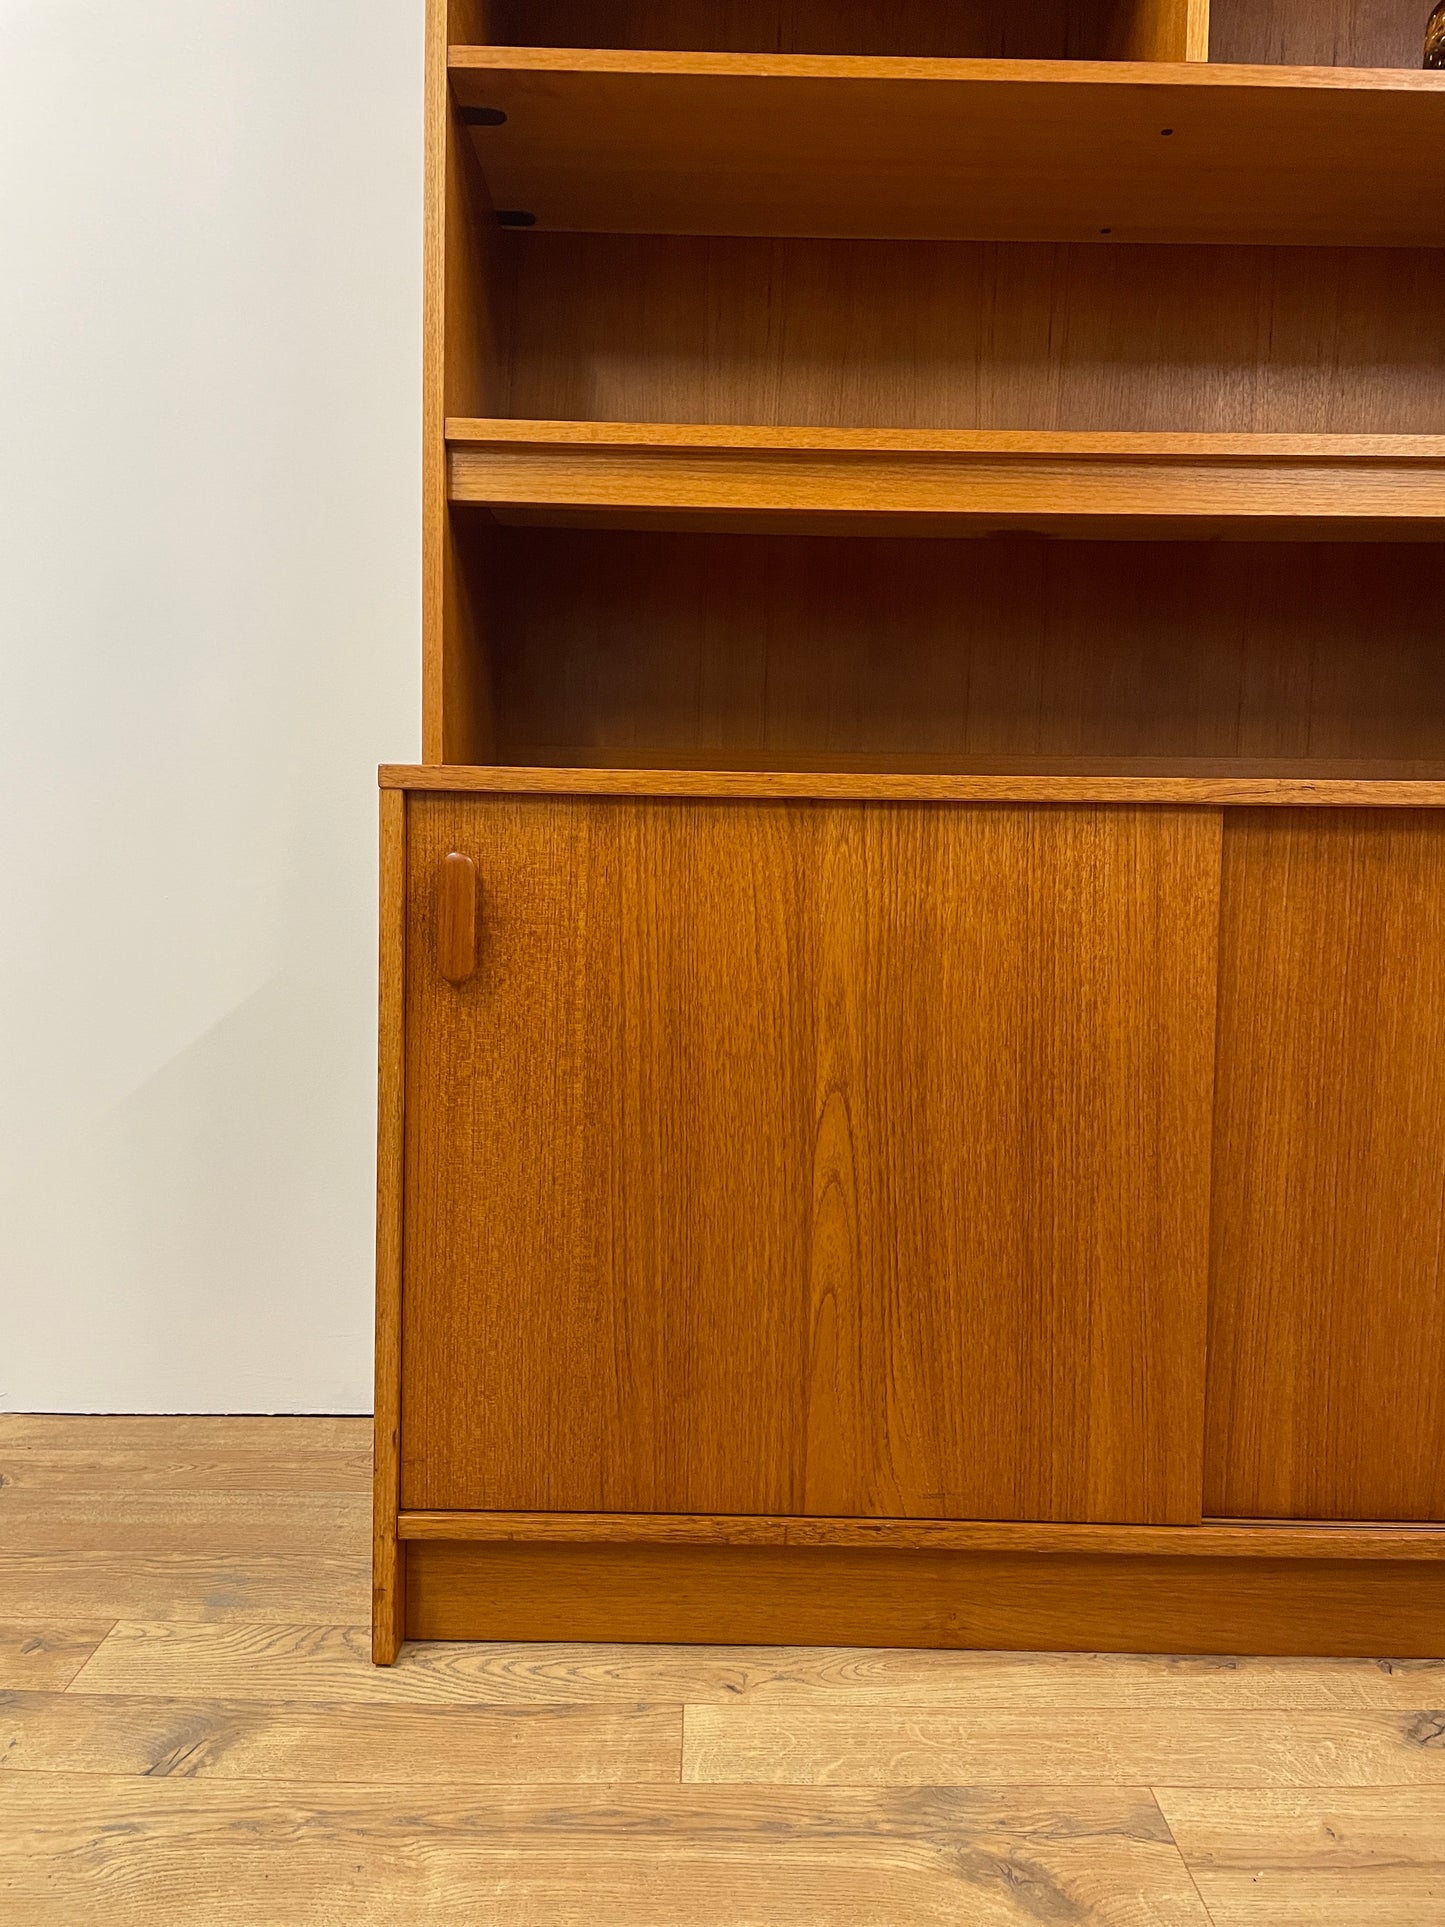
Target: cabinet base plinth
[(763, 1596)]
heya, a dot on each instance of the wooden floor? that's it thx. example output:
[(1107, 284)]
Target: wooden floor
[(190, 1731)]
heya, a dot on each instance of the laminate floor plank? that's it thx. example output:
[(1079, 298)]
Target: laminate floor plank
[(880, 1746), (332, 1662), (193, 1586), (124, 1473), (1315, 1858), (169, 1435), (168, 1851), (321, 1745), (182, 1522), (46, 1657)]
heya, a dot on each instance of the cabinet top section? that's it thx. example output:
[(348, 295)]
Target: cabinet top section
[(1355, 791), (840, 146)]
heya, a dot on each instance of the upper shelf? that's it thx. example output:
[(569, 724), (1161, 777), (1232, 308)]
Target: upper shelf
[(829, 145), (913, 481)]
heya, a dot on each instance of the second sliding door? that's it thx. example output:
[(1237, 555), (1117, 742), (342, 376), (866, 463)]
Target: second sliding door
[(844, 1159), (1327, 1354)]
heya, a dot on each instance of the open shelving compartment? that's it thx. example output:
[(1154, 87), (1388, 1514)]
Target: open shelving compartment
[(933, 390), (1340, 33)]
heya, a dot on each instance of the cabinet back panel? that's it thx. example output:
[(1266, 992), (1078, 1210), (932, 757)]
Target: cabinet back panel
[(997, 29), (977, 335), (779, 652), (1319, 33)]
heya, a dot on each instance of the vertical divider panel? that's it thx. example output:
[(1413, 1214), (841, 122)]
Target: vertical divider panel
[(1196, 30), (1164, 30)]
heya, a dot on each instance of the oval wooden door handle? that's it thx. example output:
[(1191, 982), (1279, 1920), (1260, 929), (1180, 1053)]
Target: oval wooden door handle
[(457, 919)]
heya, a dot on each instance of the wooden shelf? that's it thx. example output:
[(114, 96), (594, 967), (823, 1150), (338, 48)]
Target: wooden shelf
[(663, 143), (1370, 487), (1281, 791)]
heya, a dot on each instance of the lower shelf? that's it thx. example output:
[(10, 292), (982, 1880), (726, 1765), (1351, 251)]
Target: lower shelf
[(875, 1596)]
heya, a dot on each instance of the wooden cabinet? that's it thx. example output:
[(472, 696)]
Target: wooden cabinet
[(913, 963)]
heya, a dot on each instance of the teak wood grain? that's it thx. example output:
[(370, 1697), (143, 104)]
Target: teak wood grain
[(1213, 1539), (1323, 791), (463, 356), (1327, 1330), (835, 1596), (1319, 33), (1076, 484), (1006, 657), (810, 1159), (388, 1575), (1000, 29), (697, 143), (996, 336)]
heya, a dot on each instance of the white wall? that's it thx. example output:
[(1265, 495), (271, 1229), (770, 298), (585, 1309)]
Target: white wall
[(210, 259)]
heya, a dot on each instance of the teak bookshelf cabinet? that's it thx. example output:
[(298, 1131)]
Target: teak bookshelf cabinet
[(913, 967)]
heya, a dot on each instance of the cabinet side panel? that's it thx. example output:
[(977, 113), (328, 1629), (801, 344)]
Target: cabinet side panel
[(388, 1573), (1327, 1329), (812, 1158), (464, 371)]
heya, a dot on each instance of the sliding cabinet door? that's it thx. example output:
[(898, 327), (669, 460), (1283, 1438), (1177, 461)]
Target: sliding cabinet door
[(1327, 1328), (843, 1159)]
